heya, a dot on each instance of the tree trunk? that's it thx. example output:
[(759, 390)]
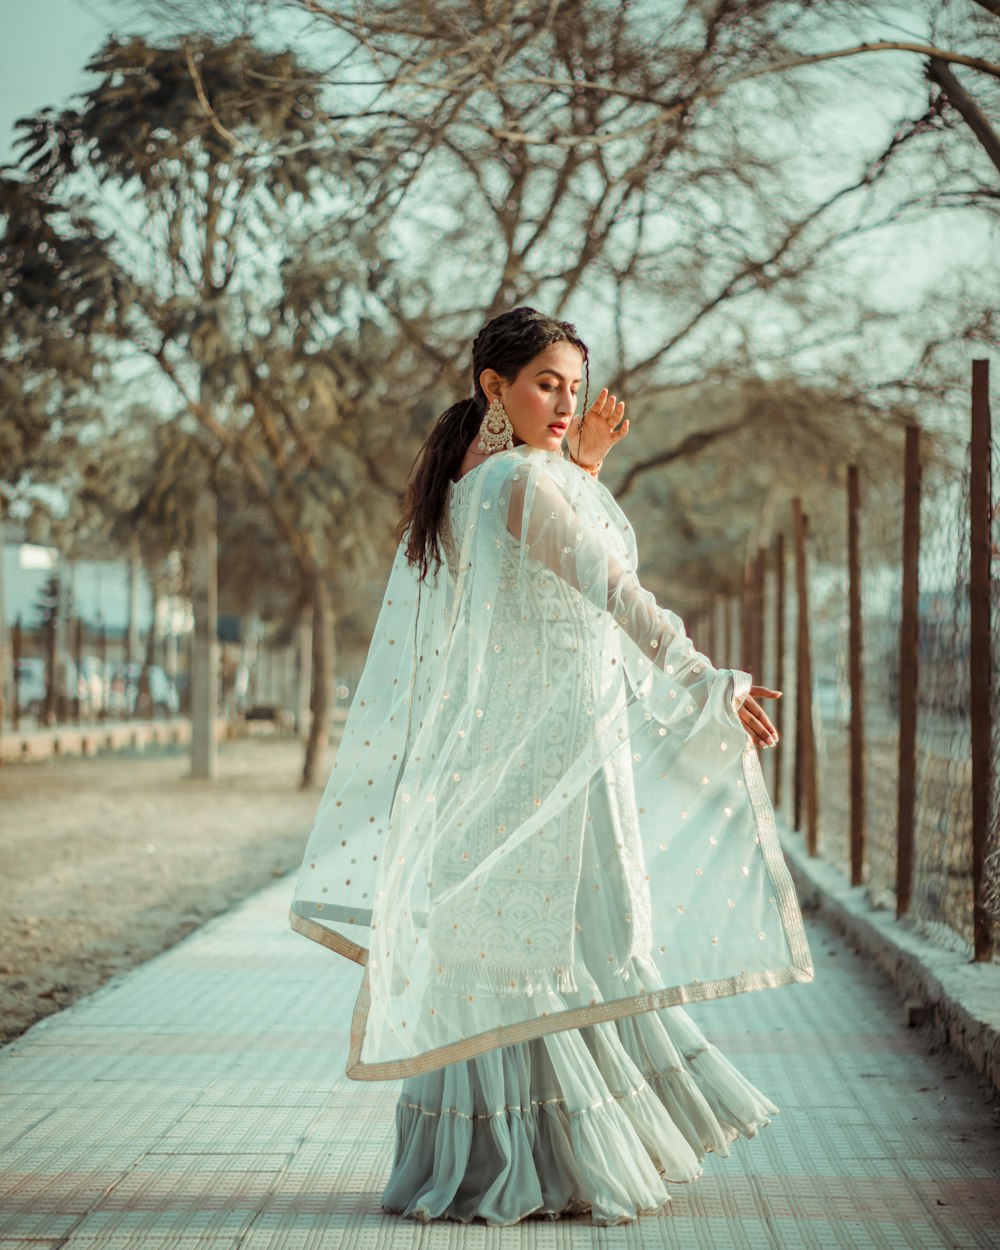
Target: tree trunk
[(81, 684), (321, 700), (102, 652), (170, 657), (974, 116), (50, 703), (6, 668), (303, 683), (144, 699), (204, 659), (8, 665), (16, 648), (132, 636)]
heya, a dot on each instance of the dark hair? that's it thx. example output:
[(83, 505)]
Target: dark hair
[(505, 344)]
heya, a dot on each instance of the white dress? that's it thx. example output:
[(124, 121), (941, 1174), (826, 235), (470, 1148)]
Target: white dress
[(545, 831), (593, 1119)]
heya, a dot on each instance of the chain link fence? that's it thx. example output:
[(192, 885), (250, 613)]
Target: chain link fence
[(941, 902)]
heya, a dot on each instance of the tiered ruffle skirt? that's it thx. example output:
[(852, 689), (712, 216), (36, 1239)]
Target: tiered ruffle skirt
[(596, 1119)]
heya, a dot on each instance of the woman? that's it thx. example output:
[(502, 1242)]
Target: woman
[(546, 828)]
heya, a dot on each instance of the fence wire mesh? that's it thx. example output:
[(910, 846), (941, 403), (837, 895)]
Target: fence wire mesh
[(942, 895), (942, 878)]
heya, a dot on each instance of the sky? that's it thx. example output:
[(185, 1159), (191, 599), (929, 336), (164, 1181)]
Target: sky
[(44, 45)]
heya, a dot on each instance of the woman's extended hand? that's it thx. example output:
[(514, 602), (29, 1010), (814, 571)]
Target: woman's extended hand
[(755, 719), (592, 436)]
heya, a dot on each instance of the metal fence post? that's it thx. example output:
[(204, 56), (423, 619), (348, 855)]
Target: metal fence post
[(806, 745), (779, 663), (757, 599), (856, 676), (908, 673), (747, 623), (980, 658)]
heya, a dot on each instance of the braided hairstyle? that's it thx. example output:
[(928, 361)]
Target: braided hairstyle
[(505, 344)]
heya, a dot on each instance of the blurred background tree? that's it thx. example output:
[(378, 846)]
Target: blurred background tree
[(699, 184), (185, 167), (291, 252), (48, 374)]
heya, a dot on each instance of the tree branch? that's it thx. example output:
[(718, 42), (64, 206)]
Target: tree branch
[(960, 99), (688, 446), (199, 88), (668, 111), (233, 444)]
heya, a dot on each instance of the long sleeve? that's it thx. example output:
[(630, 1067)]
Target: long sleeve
[(590, 555)]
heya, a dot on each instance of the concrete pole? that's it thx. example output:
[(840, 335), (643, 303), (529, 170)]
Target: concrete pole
[(304, 692), (981, 658), (205, 651), (909, 674)]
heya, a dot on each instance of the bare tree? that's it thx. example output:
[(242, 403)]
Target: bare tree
[(194, 168), (641, 163)]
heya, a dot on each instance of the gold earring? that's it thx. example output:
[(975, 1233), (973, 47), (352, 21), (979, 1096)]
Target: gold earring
[(496, 432)]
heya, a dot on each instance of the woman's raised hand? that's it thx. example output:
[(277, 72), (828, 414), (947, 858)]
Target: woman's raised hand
[(592, 436), (755, 719)]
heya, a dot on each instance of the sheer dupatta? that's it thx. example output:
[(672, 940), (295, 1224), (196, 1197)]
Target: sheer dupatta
[(534, 687)]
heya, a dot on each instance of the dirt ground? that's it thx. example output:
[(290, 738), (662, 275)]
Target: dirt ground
[(109, 860)]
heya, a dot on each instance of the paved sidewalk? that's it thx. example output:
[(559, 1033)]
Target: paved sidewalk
[(961, 998), (199, 1104)]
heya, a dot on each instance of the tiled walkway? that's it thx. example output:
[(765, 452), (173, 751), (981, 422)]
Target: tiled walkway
[(200, 1104)]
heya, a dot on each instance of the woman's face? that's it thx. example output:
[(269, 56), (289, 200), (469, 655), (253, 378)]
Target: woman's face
[(542, 398)]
